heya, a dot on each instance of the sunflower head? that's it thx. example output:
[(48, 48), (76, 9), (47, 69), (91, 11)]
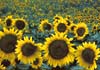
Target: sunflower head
[(5, 63), (67, 18), (20, 24), (27, 50), (72, 27), (61, 27), (94, 28), (45, 25), (58, 50), (68, 22), (9, 22), (57, 17), (8, 41), (87, 54), (81, 31), (37, 63)]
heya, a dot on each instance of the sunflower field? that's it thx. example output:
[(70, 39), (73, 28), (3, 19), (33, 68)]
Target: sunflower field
[(49, 34)]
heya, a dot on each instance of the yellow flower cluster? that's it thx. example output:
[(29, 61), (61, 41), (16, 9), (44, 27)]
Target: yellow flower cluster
[(57, 50), (17, 23)]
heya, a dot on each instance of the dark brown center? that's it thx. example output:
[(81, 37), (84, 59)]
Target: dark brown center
[(20, 24), (8, 22), (68, 23), (36, 62), (28, 49), (68, 17), (61, 27), (58, 49), (57, 18), (94, 27), (72, 28), (80, 31), (17, 61), (5, 63), (88, 55), (47, 26), (59, 68), (8, 42)]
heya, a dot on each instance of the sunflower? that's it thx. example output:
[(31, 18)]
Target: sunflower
[(72, 27), (68, 17), (20, 24), (9, 22), (45, 25), (57, 17), (58, 50), (98, 27), (69, 22), (5, 63), (94, 28), (27, 50), (81, 31), (37, 63), (61, 27), (87, 54), (8, 40)]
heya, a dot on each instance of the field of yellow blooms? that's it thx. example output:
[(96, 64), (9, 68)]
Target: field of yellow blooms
[(49, 34)]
